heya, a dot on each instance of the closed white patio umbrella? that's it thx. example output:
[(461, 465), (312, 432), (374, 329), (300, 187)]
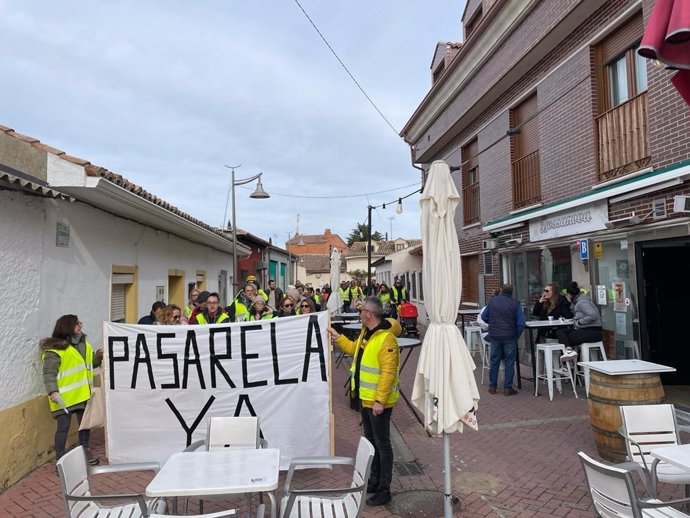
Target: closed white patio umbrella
[(444, 386), (335, 301)]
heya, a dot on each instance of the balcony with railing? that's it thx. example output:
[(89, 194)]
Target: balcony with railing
[(623, 139), (526, 181), (470, 203)]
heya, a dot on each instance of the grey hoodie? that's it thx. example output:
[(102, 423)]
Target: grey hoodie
[(585, 312)]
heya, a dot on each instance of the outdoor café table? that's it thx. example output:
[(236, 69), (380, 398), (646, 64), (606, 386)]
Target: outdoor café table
[(408, 344), (218, 472), (347, 316), (615, 383), (531, 325), (677, 454), (462, 313)]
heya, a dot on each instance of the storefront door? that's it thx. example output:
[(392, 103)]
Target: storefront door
[(661, 269)]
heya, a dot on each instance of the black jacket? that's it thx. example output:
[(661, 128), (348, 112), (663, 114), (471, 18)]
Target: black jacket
[(562, 309)]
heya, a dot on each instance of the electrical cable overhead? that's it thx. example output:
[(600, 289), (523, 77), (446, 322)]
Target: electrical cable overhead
[(334, 197), (361, 89)]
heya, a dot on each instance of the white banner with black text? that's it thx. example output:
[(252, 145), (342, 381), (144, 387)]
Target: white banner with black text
[(162, 383)]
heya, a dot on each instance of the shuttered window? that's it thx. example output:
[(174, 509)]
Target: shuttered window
[(470, 183), (117, 303), (470, 278), (524, 148), (527, 140)]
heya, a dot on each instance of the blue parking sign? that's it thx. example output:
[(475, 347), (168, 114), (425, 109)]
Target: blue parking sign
[(584, 249)]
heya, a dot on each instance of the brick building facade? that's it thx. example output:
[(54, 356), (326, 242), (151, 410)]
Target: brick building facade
[(561, 133)]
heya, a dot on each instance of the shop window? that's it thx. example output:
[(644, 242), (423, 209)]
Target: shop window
[(413, 286)]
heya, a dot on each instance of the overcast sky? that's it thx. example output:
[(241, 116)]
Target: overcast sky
[(168, 92)]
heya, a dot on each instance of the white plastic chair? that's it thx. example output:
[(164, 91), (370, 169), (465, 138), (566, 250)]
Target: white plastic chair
[(345, 502), (79, 502), (613, 494), (646, 427), (235, 433)]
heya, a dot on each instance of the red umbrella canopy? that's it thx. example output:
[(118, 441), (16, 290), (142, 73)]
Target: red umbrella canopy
[(667, 39)]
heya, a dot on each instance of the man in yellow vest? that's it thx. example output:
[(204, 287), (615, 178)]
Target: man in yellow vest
[(375, 386), (213, 314), (345, 295)]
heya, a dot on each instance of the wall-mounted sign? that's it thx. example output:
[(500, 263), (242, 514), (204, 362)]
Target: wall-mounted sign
[(580, 220), (584, 249)]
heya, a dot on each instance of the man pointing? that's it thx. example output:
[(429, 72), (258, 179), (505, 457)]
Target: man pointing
[(374, 386)]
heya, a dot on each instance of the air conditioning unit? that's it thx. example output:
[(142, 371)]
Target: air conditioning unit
[(681, 204), (489, 244)]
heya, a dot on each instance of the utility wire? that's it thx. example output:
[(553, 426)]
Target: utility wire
[(287, 195), (397, 133)]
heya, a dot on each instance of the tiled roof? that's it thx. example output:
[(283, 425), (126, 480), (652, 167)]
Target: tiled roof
[(321, 263), (97, 171), (381, 247)]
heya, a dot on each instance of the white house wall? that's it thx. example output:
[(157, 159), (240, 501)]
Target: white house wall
[(40, 282)]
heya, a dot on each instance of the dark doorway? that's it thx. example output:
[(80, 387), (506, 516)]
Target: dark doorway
[(661, 272)]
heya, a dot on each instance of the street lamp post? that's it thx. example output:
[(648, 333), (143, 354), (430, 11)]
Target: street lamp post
[(259, 193)]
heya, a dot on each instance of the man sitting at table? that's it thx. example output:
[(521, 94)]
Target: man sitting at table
[(374, 386), (506, 323)]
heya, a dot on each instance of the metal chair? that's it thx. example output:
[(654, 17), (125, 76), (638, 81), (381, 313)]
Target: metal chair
[(613, 494), (79, 502), (345, 502), (235, 433), (649, 426)]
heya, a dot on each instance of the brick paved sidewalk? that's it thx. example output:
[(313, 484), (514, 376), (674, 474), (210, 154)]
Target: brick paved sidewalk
[(521, 463)]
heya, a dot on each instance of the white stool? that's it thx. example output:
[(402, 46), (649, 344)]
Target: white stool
[(585, 355), (486, 357), (473, 339), (561, 373)]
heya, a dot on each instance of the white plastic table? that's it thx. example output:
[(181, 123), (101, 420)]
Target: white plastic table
[(678, 455), (462, 313), (623, 367), (218, 472)]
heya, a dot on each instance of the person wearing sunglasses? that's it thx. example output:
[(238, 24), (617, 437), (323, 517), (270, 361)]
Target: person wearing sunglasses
[(306, 306), (171, 315), (287, 307), (550, 304)]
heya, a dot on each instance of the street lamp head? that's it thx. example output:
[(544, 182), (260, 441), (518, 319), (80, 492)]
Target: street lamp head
[(259, 192)]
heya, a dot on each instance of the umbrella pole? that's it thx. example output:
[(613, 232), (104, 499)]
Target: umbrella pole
[(447, 496)]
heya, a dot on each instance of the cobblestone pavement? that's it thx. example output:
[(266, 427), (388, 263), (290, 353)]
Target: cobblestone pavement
[(521, 463)]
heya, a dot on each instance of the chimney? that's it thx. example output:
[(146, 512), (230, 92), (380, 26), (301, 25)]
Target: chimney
[(327, 232)]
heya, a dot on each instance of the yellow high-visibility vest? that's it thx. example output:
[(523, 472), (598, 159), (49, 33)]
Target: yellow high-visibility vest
[(370, 371), (74, 377), (201, 319)]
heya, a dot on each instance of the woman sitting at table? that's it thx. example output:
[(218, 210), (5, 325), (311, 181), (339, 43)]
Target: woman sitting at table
[(550, 304), (586, 322)]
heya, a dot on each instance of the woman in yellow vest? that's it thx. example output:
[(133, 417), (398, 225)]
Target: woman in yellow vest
[(374, 384), (68, 363), (260, 311)]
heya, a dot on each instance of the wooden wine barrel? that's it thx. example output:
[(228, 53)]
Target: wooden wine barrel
[(606, 395)]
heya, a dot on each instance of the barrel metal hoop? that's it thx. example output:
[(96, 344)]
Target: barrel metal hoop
[(625, 402), (619, 386)]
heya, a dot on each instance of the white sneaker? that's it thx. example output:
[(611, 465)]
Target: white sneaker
[(568, 355)]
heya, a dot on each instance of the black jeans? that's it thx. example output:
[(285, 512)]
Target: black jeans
[(63, 422), (377, 431), (573, 337)]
